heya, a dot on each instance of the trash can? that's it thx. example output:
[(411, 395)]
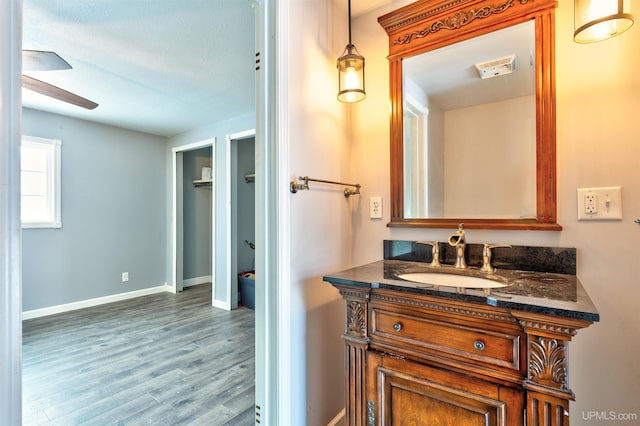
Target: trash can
[(247, 286)]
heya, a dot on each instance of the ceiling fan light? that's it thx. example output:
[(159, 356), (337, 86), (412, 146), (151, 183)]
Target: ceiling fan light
[(596, 20)]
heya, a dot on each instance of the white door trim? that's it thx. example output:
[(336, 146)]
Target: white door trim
[(10, 239), (283, 321), (273, 269), (177, 275), (242, 135)]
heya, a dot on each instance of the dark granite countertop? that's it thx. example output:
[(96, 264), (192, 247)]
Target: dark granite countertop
[(540, 292)]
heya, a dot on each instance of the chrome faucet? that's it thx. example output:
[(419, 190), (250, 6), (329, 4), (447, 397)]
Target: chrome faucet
[(486, 257), (458, 240), (435, 252)]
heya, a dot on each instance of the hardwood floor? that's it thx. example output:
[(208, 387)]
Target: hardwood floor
[(162, 359)]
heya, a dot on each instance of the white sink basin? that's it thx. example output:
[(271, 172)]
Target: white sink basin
[(452, 280)]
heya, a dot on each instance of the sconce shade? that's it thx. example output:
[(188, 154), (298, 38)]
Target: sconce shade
[(597, 20), (351, 76)]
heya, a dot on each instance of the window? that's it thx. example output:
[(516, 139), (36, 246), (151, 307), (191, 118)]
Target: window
[(40, 182)]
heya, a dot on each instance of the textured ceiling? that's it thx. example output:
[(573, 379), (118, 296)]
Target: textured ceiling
[(157, 66)]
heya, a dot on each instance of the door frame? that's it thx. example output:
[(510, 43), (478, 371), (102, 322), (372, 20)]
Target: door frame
[(231, 238), (177, 214), (273, 384), (10, 237)]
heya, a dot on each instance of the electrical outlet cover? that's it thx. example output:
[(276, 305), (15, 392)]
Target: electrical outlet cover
[(375, 207), (600, 203)]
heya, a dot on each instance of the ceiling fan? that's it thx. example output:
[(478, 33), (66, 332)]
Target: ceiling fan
[(38, 60)]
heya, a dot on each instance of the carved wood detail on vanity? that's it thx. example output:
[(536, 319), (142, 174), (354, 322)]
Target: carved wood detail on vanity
[(548, 339), (546, 410), (438, 305), (356, 323), (356, 344), (547, 383), (548, 363)]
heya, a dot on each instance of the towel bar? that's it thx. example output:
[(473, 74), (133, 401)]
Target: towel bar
[(295, 187)]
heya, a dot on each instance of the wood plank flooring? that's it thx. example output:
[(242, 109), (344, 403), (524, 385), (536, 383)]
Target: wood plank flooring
[(162, 359)]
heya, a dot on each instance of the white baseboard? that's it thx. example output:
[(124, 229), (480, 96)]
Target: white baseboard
[(196, 281), (338, 419), (43, 312)]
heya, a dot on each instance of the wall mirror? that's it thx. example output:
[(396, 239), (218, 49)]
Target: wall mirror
[(473, 114)]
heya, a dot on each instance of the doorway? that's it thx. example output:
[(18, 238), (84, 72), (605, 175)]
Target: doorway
[(193, 215), (10, 324), (242, 218)]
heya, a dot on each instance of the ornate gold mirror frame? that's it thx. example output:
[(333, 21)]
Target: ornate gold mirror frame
[(430, 24)]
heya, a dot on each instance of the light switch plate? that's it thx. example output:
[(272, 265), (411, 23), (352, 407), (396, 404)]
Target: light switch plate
[(600, 203)]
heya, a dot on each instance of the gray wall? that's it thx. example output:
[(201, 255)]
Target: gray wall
[(114, 214), (196, 206)]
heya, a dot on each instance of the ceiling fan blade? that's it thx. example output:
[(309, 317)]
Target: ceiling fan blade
[(56, 92), (41, 60)]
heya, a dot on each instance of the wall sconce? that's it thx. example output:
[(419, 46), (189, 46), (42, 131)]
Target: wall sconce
[(597, 20), (351, 72)]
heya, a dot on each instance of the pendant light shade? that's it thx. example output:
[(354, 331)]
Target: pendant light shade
[(597, 20), (351, 76), (351, 72)]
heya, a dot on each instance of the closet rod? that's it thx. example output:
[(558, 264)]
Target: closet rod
[(295, 187)]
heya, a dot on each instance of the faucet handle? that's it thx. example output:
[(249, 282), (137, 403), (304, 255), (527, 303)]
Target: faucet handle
[(490, 246), (486, 257), (435, 252)]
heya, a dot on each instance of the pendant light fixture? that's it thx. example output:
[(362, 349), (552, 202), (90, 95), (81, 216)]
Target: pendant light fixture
[(350, 72), (597, 20)]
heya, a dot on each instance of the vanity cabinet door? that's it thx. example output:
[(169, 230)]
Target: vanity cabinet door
[(402, 392)]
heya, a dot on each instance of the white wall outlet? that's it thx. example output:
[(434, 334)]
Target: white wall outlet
[(590, 204), (375, 207), (600, 203), (125, 277)]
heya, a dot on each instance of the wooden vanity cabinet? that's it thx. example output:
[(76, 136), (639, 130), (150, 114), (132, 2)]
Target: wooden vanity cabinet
[(416, 359)]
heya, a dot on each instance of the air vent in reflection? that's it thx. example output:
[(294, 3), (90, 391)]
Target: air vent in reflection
[(496, 67)]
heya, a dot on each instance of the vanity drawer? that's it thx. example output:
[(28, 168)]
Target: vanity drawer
[(421, 335)]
